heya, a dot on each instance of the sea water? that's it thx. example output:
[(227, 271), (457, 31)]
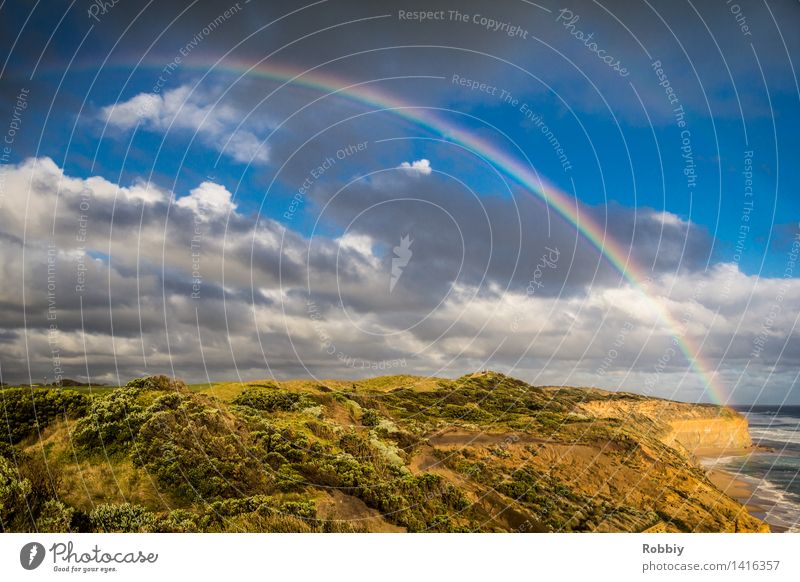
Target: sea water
[(774, 470)]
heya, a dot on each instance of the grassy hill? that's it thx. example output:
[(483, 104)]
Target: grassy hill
[(484, 452)]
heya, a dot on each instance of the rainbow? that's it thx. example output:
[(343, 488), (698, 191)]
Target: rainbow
[(366, 94)]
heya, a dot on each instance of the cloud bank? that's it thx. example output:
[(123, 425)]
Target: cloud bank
[(113, 281)]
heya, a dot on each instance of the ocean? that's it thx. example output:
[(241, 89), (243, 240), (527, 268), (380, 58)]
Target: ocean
[(773, 473)]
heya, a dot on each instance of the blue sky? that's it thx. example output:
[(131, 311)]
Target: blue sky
[(651, 177)]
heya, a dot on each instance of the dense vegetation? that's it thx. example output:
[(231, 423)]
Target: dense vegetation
[(388, 454)]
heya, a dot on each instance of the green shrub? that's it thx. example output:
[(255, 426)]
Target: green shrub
[(26, 411), (289, 480), (260, 513), (6, 450), (370, 417), (322, 430), (124, 518), (269, 399), (13, 493), (111, 423), (177, 521), (44, 478), (275, 460), (551, 500), (196, 452), (302, 509), (468, 413), (158, 383), (356, 445), (55, 517), (240, 505), (342, 471), (290, 445)]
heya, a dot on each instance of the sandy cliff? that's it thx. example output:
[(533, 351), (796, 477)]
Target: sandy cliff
[(710, 434), (672, 435), (699, 428)]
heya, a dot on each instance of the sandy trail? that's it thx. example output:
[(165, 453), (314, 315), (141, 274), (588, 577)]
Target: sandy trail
[(456, 437)]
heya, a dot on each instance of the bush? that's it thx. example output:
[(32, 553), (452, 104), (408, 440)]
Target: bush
[(6, 450), (13, 493), (467, 413), (370, 417), (356, 445), (160, 382), (416, 502), (124, 518), (269, 399), (289, 445), (197, 452), (260, 513), (28, 495), (287, 479), (55, 517), (550, 498), (44, 479), (26, 411), (177, 521), (111, 424)]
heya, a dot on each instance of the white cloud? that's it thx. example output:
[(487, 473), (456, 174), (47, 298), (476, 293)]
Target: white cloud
[(360, 243), (667, 218), (192, 110), (145, 281), (143, 108), (420, 167), (208, 197)]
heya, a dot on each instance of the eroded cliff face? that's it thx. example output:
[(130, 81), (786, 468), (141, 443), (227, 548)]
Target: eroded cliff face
[(698, 428), (670, 437), (710, 435)]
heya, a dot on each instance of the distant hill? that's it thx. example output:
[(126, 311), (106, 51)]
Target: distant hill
[(484, 452), (69, 382)]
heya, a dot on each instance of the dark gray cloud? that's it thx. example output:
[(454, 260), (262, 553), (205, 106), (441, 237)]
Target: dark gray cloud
[(322, 305), (499, 239)]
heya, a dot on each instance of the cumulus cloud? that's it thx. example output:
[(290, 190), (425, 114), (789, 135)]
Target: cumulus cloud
[(115, 278), (193, 111), (666, 218), (208, 197), (418, 167)]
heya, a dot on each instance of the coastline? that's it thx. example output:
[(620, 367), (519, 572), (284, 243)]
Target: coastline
[(734, 485)]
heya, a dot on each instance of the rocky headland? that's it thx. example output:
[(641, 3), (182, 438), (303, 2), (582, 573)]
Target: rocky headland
[(484, 452)]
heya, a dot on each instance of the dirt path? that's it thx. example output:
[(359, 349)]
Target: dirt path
[(456, 437)]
